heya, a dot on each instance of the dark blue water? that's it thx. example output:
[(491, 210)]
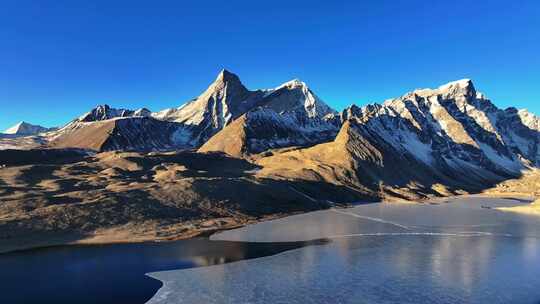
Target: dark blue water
[(112, 274)]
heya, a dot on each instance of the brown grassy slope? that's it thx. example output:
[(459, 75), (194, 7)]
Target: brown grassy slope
[(526, 186), (530, 209), (91, 136), (365, 166), (329, 162), (115, 197), (231, 140)]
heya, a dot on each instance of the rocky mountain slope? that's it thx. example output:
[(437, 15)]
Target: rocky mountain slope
[(455, 128), (362, 163), (293, 107), (263, 129), (428, 142), (136, 133), (224, 100)]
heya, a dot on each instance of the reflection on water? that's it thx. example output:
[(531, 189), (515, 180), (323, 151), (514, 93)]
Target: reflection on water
[(447, 253), (375, 269), (112, 273)]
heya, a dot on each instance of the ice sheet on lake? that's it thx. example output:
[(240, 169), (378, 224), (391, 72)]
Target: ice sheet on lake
[(393, 269), (453, 215), (454, 252)]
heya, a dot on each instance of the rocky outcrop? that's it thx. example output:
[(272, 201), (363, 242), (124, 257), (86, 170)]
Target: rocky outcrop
[(125, 134)]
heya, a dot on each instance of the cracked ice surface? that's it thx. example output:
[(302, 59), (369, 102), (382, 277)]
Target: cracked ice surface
[(453, 252)]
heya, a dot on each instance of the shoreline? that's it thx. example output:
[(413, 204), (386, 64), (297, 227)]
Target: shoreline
[(110, 239), (125, 238), (533, 208)]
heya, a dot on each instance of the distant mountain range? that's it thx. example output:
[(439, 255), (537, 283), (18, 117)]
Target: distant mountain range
[(297, 117), (446, 131)]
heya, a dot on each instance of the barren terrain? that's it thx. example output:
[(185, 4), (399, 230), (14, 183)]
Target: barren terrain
[(526, 186), (49, 197)]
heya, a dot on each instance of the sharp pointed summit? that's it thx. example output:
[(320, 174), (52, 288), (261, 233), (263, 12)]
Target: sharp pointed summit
[(296, 96), (226, 84), (293, 83), (289, 115), (463, 86), (223, 101), (228, 81), (226, 75)]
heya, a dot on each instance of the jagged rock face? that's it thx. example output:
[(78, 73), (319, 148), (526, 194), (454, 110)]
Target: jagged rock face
[(105, 129), (126, 134), (443, 141), (266, 129), (362, 158), (144, 134), (263, 129), (224, 100), (454, 129), (227, 99), (295, 116), (520, 131), (104, 112), (24, 128), (295, 97)]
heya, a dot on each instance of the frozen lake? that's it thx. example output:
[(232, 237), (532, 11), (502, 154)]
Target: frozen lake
[(454, 251)]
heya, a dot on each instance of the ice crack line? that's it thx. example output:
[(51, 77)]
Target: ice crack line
[(375, 219), (468, 234)]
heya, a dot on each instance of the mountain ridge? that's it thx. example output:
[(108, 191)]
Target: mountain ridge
[(195, 122), (284, 152), (292, 115), (23, 128)]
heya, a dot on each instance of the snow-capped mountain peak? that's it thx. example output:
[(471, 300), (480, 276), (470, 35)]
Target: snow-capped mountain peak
[(223, 101), (463, 87), (294, 96), (458, 88), (104, 112), (226, 76), (293, 83), (462, 83), (226, 83), (453, 126), (24, 128), (142, 112)]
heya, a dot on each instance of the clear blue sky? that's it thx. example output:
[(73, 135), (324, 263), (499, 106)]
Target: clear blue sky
[(58, 59)]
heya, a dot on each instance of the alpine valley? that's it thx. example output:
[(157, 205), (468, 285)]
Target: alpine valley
[(234, 156)]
